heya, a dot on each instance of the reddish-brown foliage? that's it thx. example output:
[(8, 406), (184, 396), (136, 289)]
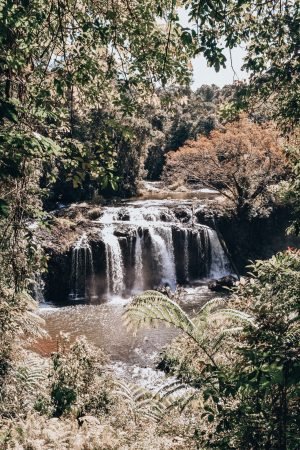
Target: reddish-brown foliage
[(241, 162)]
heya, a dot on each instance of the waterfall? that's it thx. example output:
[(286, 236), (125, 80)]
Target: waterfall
[(114, 261), (163, 253), (156, 246), (138, 264), (186, 253), (220, 265), (82, 272), (199, 245), (38, 288), (201, 254)]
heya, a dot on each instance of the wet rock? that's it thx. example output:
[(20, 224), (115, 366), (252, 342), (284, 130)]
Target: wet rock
[(123, 232), (222, 284), (164, 217), (164, 365), (183, 214), (123, 215), (178, 185), (204, 216), (94, 213)]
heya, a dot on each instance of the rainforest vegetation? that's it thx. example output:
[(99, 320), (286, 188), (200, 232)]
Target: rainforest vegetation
[(96, 98)]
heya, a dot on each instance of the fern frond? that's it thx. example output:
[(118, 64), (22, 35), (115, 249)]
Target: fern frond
[(172, 388), (185, 401), (177, 394), (235, 314), (152, 307), (32, 375), (140, 402), (211, 305), (222, 335)]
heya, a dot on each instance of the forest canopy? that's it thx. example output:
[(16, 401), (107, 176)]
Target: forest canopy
[(241, 161), (95, 96)]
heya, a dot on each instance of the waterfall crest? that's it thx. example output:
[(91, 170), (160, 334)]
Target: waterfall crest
[(144, 247)]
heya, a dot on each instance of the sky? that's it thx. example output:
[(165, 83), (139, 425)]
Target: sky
[(202, 74)]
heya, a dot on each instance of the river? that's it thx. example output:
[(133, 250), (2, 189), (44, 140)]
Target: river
[(142, 244)]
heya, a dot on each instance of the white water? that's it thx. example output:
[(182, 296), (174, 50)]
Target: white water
[(139, 276), (82, 269), (38, 288), (186, 253), (220, 265), (141, 218), (114, 261), (163, 254), (148, 257)]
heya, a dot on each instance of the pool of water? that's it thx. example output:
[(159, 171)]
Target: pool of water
[(104, 327)]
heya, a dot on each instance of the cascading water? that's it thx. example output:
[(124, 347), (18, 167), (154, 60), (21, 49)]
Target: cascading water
[(220, 265), (186, 253), (114, 261), (38, 288), (138, 264), (163, 254), (144, 247), (82, 273)]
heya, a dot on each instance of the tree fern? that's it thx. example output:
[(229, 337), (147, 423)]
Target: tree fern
[(141, 402), (152, 307), (31, 376)]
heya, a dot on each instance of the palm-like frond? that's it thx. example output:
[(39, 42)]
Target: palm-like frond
[(173, 389), (32, 375), (211, 305), (236, 315), (141, 402), (152, 307), (177, 395)]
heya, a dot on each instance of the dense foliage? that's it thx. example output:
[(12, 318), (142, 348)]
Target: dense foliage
[(89, 100), (292, 194), (269, 32), (246, 377), (180, 115), (58, 60), (242, 161)]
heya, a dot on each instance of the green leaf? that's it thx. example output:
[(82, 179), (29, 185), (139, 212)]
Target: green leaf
[(8, 111), (4, 208), (114, 185), (186, 38)]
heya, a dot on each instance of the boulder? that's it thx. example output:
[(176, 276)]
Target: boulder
[(222, 284)]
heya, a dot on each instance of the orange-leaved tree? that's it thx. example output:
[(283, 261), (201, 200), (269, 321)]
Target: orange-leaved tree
[(242, 161)]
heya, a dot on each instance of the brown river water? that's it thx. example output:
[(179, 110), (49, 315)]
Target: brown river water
[(161, 243)]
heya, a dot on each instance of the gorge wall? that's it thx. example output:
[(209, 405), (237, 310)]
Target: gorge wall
[(137, 246)]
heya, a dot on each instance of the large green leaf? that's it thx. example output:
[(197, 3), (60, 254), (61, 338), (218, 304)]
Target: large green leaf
[(8, 111), (4, 208)]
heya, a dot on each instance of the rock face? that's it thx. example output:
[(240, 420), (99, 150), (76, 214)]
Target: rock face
[(258, 238), (133, 246), (222, 284), (129, 248)]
